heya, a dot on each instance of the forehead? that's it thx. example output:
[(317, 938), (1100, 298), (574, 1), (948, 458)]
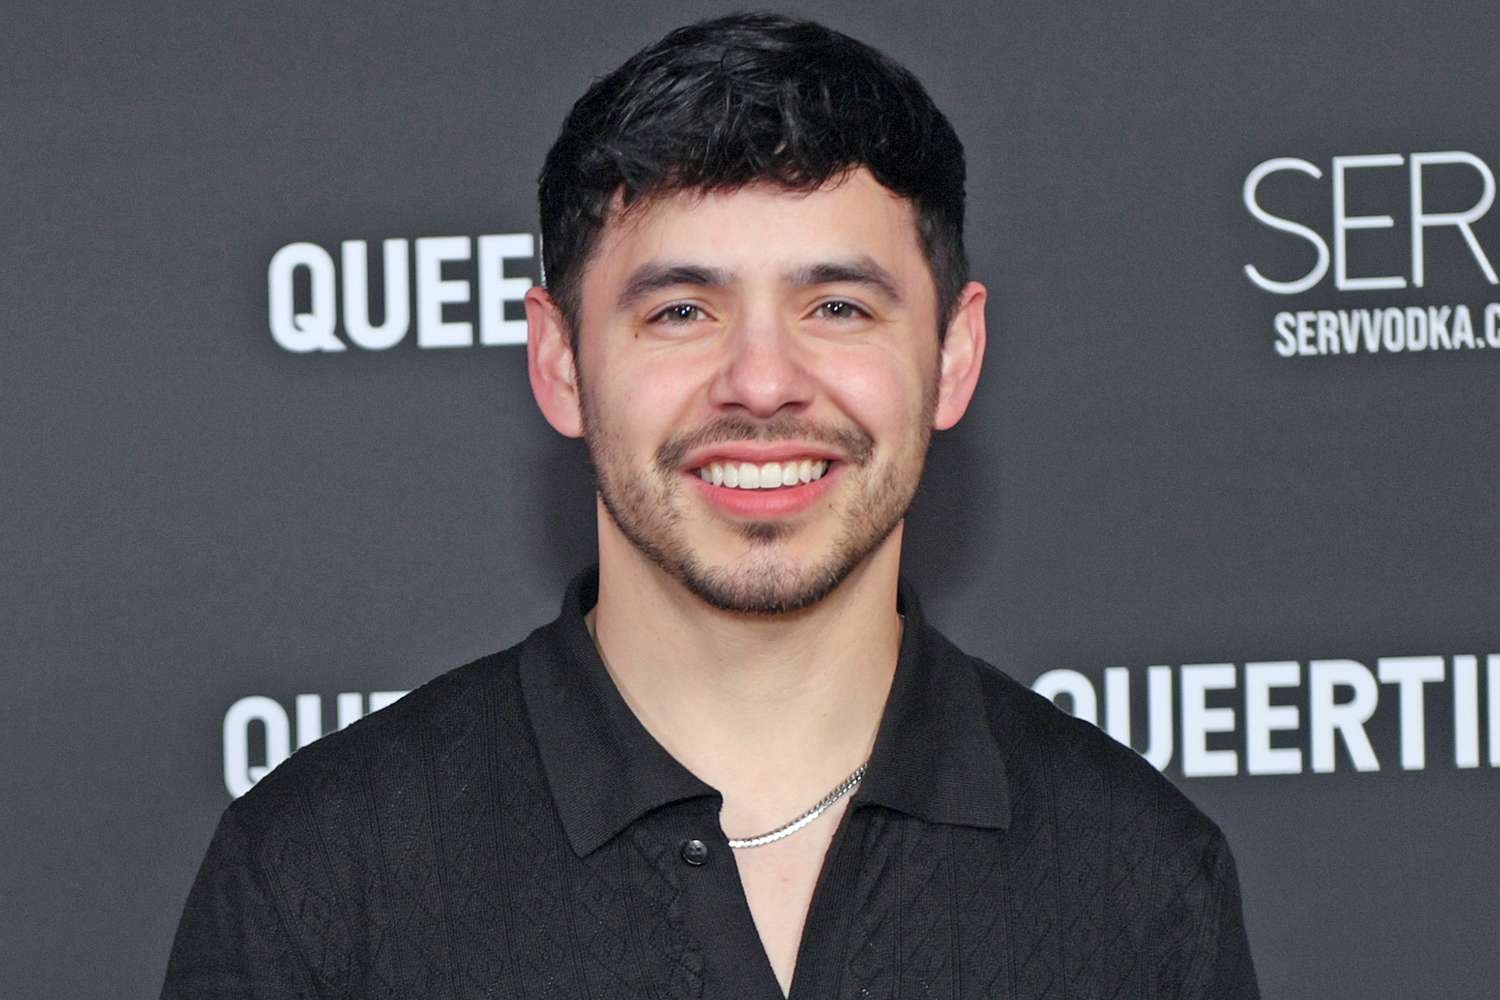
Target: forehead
[(762, 230)]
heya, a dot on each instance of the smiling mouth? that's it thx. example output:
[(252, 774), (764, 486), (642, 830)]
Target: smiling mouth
[(766, 476)]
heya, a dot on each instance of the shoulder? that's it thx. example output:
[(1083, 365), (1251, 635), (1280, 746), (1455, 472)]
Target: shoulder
[(1089, 780), (388, 753), (1129, 840), (1081, 802)]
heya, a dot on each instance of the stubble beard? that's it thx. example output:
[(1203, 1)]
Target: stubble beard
[(647, 508)]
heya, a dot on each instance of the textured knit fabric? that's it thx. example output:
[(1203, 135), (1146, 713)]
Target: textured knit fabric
[(511, 830)]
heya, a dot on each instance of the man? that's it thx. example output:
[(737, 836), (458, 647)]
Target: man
[(739, 764)]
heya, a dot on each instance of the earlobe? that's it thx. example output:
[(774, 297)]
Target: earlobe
[(961, 358), (551, 365)]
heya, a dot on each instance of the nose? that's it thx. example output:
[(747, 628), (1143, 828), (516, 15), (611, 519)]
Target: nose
[(764, 369)]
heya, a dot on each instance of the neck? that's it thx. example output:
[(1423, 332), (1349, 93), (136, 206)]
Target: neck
[(772, 711)]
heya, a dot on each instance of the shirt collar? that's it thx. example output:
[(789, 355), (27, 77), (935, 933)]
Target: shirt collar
[(935, 755)]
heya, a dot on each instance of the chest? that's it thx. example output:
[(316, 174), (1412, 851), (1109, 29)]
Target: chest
[(891, 906), (778, 881)]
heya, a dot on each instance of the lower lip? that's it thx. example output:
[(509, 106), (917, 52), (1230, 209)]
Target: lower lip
[(780, 502)]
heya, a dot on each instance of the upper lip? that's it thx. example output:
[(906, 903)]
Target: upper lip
[(757, 453)]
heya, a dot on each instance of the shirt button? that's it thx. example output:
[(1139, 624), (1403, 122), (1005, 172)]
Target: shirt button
[(694, 852)]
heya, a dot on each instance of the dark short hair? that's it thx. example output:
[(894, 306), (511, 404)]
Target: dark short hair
[(743, 99)]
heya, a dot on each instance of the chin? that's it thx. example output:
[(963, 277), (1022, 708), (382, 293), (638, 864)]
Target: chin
[(741, 593), (767, 582)]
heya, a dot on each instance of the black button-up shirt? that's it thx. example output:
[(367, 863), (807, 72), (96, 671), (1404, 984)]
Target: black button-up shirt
[(512, 830)]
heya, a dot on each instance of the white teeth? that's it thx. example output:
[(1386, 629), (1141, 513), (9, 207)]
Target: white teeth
[(768, 476)]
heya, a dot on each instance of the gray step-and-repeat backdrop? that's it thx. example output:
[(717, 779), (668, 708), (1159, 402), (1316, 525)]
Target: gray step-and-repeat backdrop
[(1229, 487)]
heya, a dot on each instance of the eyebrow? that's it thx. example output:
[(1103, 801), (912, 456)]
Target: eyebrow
[(861, 270), (653, 276)]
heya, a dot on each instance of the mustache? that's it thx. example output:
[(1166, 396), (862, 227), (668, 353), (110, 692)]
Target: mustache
[(850, 441)]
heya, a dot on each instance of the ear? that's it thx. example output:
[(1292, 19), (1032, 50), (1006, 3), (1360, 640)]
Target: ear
[(551, 365), (961, 357)]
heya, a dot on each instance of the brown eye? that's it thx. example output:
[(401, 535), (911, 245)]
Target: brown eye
[(679, 312), (842, 310)]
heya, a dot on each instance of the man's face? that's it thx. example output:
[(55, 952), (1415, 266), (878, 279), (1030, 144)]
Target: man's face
[(758, 374)]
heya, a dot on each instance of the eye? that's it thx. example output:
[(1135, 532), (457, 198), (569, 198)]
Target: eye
[(841, 309), (679, 312)]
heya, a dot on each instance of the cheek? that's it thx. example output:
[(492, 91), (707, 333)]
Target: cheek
[(642, 403), (888, 399)]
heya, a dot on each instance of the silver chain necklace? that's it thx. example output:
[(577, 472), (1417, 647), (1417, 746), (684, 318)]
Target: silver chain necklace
[(843, 788)]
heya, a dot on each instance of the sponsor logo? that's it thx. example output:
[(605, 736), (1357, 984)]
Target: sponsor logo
[(1433, 204), (453, 291), (1278, 717), (1200, 720), (258, 730)]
